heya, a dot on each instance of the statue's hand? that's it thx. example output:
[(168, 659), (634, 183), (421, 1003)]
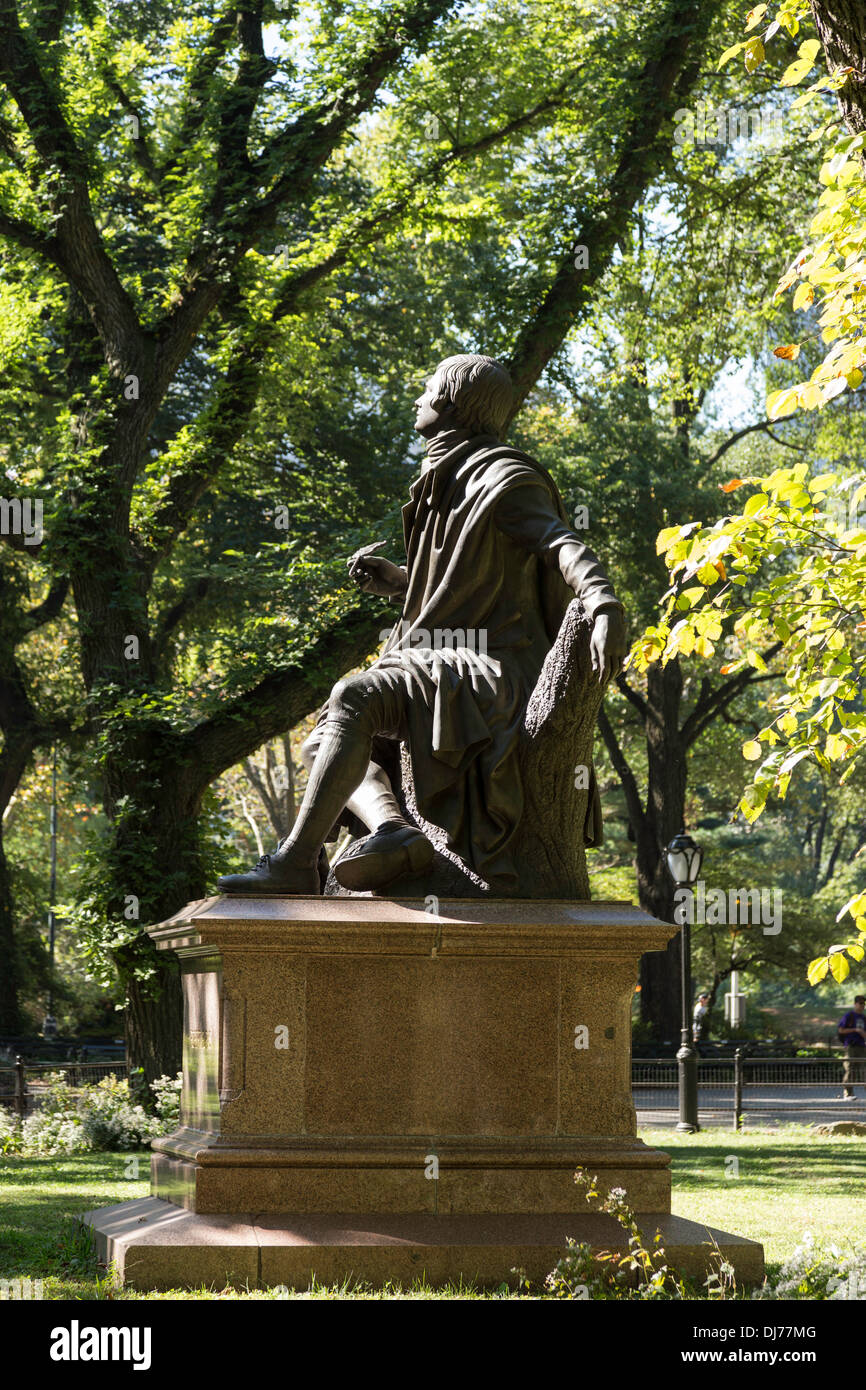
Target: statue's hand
[(374, 574), (608, 645)]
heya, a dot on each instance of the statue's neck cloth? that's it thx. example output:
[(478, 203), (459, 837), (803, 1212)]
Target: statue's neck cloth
[(449, 443)]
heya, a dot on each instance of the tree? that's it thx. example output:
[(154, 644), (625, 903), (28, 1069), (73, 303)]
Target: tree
[(800, 534)]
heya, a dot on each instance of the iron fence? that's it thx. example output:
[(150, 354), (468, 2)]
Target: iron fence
[(795, 1088), (24, 1085)]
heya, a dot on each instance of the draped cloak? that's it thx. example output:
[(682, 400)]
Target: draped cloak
[(492, 566)]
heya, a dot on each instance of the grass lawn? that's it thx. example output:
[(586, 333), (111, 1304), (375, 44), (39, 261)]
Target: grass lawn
[(790, 1181)]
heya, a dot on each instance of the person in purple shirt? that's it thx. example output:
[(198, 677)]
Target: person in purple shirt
[(852, 1032)]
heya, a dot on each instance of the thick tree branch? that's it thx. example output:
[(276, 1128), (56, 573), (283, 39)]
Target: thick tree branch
[(199, 91), (50, 606), (174, 615), (711, 702), (223, 421), (635, 698), (282, 699), (295, 157), (85, 261), (24, 234), (729, 443), (666, 79)]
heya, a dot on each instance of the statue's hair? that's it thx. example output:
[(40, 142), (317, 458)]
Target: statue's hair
[(479, 390)]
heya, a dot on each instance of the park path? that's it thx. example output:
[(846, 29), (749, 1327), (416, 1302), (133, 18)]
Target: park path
[(763, 1105)]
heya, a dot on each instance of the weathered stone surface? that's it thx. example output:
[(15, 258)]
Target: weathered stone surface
[(394, 1091), (155, 1245), (345, 1046)]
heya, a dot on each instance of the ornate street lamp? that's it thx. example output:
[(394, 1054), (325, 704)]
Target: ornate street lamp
[(684, 864)]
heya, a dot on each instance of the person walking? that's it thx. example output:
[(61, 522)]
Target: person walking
[(699, 1017), (852, 1033)]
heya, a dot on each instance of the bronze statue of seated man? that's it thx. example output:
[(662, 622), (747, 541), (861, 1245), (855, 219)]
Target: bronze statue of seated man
[(491, 567)]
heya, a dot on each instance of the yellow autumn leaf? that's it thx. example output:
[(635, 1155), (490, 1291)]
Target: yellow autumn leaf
[(804, 296), (751, 750), (754, 17), (781, 403), (756, 504), (795, 72), (728, 54), (817, 970), (839, 967), (833, 388)]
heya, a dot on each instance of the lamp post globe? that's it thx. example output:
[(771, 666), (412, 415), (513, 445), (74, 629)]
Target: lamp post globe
[(684, 859)]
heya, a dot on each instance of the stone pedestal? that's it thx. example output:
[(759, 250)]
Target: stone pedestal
[(376, 1089)]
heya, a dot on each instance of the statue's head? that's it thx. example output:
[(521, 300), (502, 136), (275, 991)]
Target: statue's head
[(468, 392)]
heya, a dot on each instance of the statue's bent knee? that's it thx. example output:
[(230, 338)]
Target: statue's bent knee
[(356, 700)]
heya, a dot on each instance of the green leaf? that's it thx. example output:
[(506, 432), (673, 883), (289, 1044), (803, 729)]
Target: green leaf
[(754, 56)]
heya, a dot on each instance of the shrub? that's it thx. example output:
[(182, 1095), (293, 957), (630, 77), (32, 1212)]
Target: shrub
[(811, 1272), (10, 1131), (166, 1093), (55, 1127), (52, 1132), (110, 1121), (100, 1117), (819, 1272)]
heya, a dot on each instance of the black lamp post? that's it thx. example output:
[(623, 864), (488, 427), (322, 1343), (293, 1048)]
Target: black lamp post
[(49, 1026), (684, 864)]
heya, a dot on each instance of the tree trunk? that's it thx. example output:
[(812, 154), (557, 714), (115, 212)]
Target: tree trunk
[(652, 824), (152, 865), (10, 1010), (660, 974), (841, 25), (153, 1017)]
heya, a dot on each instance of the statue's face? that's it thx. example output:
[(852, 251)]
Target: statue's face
[(429, 420)]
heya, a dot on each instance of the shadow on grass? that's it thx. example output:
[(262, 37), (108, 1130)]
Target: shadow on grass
[(39, 1201), (837, 1169)]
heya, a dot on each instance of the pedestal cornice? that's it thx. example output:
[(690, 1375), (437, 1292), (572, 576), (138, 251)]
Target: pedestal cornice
[(404, 926)]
